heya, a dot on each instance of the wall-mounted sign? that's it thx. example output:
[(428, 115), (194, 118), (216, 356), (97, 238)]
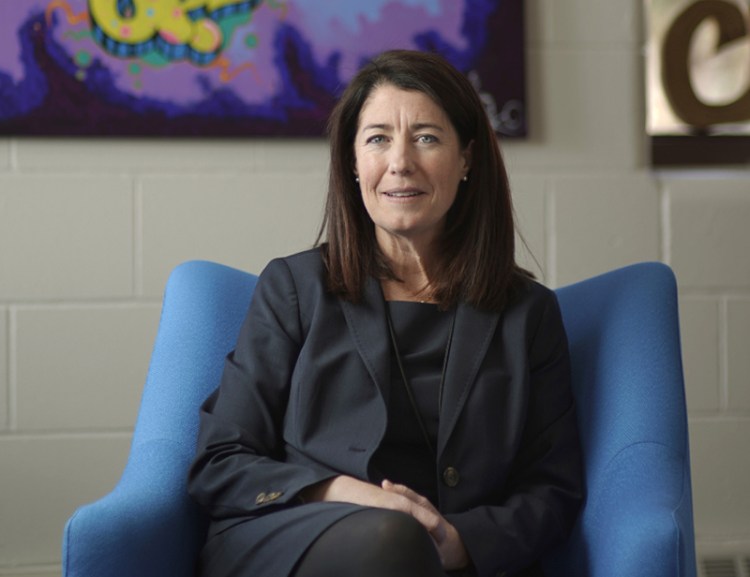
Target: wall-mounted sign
[(234, 67), (698, 80)]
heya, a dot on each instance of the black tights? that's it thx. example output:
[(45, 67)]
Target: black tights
[(372, 543)]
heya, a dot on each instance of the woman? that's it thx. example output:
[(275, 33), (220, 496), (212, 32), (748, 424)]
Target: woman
[(399, 402)]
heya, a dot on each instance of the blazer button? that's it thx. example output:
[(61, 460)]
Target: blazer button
[(451, 476), (264, 498)]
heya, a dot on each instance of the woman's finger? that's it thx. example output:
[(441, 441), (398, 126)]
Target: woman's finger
[(425, 512), (409, 494)]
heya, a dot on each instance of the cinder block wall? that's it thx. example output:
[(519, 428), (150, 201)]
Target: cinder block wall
[(89, 231)]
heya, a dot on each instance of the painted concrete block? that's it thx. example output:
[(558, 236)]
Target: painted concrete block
[(738, 354), (136, 155), (292, 155), (241, 220), (529, 203), (710, 235), (65, 237), (699, 328), (603, 223), (5, 146), (4, 370), (82, 368), (44, 481), (593, 23), (721, 476), (582, 106)]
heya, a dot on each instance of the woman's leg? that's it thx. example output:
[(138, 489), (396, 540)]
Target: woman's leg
[(372, 543)]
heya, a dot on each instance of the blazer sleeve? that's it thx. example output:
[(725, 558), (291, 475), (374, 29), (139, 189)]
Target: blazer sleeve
[(544, 490), (239, 468)]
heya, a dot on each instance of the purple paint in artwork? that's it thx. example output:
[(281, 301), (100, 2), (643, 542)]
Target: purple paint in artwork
[(11, 15), (365, 32)]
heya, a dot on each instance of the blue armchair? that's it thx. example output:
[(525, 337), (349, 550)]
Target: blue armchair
[(627, 378)]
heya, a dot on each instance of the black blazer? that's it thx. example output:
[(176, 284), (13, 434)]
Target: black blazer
[(303, 398)]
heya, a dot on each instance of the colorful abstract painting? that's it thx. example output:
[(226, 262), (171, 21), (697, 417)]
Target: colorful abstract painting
[(234, 67)]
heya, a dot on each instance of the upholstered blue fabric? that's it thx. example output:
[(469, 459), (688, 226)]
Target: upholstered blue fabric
[(627, 378)]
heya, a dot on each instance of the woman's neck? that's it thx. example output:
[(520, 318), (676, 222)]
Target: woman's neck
[(411, 264)]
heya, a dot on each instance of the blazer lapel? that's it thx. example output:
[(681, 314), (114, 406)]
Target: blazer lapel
[(472, 335), (367, 324)]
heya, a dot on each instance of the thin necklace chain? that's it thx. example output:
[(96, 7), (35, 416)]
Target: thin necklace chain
[(405, 380)]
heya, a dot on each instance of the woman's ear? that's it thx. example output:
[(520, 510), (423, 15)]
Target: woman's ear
[(467, 154)]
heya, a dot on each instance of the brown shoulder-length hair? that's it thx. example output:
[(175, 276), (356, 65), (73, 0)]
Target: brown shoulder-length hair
[(477, 262)]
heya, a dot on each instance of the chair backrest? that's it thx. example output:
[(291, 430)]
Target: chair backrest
[(203, 309), (628, 383), (204, 306)]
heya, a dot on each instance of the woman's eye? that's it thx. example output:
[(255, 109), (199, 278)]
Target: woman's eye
[(377, 139), (426, 139)]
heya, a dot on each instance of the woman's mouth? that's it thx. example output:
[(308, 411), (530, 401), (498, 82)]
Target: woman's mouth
[(402, 193)]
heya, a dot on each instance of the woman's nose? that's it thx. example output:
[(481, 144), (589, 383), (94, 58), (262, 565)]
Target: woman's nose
[(401, 158)]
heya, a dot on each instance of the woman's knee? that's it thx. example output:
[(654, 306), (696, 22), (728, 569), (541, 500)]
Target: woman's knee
[(390, 531), (373, 543), (395, 543)]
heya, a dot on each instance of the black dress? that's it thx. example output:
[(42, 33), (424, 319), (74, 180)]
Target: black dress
[(422, 333), (271, 545)]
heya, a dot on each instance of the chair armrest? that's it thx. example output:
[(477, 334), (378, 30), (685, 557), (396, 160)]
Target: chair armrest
[(634, 522), (146, 526)]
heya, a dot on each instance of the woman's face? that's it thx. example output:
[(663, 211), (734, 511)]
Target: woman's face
[(409, 163)]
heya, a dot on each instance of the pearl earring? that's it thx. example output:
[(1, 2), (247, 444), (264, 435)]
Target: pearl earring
[(356, 179), (465, 178)]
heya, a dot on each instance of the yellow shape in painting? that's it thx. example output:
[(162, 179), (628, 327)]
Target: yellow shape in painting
[(207, 37), (166, 18)]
